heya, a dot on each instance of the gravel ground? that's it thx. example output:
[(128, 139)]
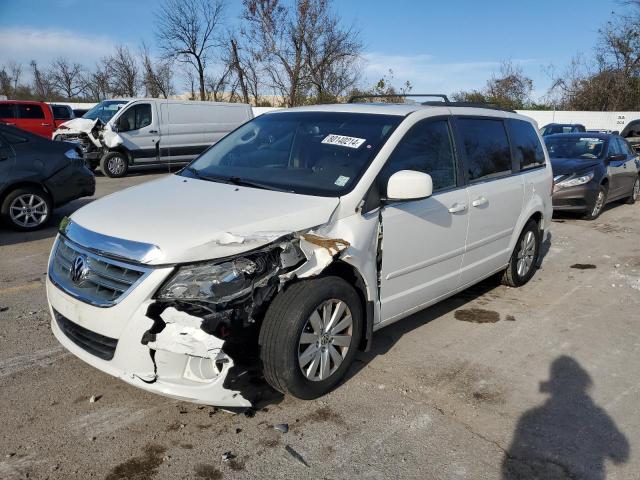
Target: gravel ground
[(537, 382)]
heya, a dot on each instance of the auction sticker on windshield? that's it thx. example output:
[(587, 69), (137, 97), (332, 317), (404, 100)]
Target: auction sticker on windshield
[(343, 141)]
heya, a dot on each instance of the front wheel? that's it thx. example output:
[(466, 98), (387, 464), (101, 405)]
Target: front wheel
[(524, 259), (598, 205), (310, 336), (114, 164)]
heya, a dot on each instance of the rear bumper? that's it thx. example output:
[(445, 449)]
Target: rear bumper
[(576, 199), (71, 183)]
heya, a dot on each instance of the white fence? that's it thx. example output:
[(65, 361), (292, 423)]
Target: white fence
[(591, 120)]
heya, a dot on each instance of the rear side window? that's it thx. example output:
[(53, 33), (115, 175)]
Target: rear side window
[(427, 148), (486, 148), (60, 112), (624, 146), (30, 111), (527, 149), (7, 111)]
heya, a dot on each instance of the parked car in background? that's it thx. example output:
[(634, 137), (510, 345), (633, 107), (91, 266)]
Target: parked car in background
[(34, 117), (280, 249), (632, 134), (79, 112), (554, 128), (591, 170), (61, 113), (38, 175), (152, 132)]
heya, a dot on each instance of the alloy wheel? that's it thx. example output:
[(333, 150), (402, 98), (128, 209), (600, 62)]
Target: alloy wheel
[(526, 254), (28, 210), (116, 165), (598, 204), (325, 340)]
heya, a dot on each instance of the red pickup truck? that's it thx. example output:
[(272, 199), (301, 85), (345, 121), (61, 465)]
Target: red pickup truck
[(34, 117)]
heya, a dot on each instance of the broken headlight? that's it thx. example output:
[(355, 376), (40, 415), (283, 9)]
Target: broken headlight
[(218, 282)]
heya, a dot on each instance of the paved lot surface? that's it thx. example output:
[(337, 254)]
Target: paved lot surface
[(548, 386)]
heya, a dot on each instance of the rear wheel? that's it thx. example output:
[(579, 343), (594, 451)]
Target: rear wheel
[(310, 336), (27, 208), (114, 164), (634, 193), (598, 204), (524, 259)]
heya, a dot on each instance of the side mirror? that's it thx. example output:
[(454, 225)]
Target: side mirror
[(409, 185)]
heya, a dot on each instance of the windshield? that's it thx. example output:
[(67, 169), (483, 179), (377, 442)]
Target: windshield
[(105, 110), (553, 129), (313, 153), (587, 148)]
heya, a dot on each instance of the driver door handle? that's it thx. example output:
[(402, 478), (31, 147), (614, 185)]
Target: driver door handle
[(153, 131), (480, 201), (457, 208)]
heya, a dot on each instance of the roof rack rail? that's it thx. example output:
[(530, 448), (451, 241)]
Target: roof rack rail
[(490, 106), (445, 101), (444, 98)]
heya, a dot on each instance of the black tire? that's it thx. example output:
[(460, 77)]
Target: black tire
[(26, 209), (598, 205), (114, 164), (281, 333), (513, 276), (635, 192)]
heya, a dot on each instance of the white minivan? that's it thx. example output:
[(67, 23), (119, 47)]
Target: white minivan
[(280, 250), (116, 134)]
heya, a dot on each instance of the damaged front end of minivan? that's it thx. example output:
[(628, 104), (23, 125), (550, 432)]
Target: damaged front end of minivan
[(211, 312)]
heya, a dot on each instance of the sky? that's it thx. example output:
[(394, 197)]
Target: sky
[(439, 46)]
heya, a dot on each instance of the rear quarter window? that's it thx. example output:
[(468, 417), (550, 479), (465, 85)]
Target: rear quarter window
[(486, 148), (527, 149), (7, 110), (30, 111)]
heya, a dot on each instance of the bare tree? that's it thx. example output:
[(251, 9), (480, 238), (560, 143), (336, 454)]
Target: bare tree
[(14, 70), (217, 84), (509, 88), (97, 82), (67, 78), (280, 32), (157, 75), (123, 72), (43, 88), (187, 31), (333, 55), (385, 87)]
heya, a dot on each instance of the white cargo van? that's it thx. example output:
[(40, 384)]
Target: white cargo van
[(151, 131)]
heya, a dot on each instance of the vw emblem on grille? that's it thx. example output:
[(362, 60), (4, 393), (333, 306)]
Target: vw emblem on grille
[(79, 269)]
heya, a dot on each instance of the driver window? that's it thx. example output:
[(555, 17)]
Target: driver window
[(134, 118), (427, 148)]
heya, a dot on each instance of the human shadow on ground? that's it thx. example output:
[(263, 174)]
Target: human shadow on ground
[(567, 437)]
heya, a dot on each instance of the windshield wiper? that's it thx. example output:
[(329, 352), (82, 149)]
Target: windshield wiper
[(241, 182)]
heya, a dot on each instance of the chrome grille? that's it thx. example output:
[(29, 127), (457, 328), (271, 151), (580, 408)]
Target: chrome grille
[(100, 281)]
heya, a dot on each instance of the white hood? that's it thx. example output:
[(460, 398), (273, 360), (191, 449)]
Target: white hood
[(191, 220), (76, 125)]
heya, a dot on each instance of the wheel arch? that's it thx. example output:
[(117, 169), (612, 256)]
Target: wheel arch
[(24, 183), (350, 274)]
